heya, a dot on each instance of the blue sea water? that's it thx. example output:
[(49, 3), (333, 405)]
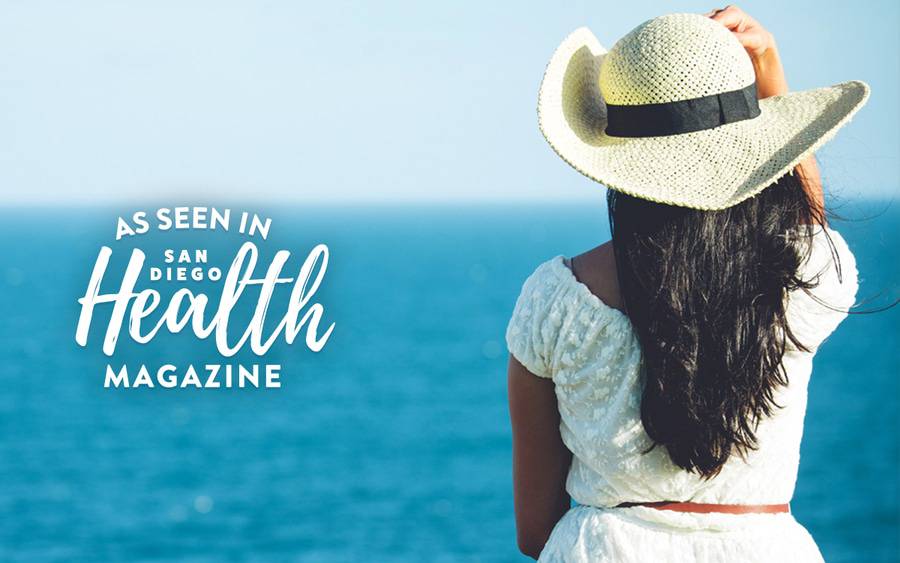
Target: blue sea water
[(391, 444)]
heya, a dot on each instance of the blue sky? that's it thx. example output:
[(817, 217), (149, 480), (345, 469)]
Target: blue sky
[(359, 102)]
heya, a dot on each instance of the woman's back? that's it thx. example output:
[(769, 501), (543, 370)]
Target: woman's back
[(562, 331), (673, 411)]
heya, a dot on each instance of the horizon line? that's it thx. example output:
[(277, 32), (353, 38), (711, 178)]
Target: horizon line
[(195, 201)]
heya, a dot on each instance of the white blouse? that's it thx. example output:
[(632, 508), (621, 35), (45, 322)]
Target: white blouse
[(560, 330)]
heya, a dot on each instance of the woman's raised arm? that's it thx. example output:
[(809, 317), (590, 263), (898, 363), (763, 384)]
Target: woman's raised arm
[(770, 81)]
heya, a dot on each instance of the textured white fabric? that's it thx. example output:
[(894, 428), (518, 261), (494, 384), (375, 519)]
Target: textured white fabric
[(560, 330)]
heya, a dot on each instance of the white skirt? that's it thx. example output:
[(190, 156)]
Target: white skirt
[(643, 534)]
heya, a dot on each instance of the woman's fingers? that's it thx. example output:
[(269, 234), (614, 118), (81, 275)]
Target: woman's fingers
[(733, 18), (751, 35), (752, 40)]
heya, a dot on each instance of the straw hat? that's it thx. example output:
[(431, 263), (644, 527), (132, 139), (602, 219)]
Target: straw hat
[(670, 114)]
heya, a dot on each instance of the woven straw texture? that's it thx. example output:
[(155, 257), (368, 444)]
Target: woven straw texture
[(673, 58)]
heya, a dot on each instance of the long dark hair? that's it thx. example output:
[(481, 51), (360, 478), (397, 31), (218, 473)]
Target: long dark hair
[(705, 292)]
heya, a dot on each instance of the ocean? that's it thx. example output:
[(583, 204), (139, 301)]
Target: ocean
[(390, 444)]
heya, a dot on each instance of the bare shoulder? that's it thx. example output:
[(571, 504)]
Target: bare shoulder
[(596, 269)]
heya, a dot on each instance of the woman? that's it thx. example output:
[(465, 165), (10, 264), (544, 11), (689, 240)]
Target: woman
[(659, 380)]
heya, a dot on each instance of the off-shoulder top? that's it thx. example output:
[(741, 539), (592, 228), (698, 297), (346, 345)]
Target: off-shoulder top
[(560, 330)]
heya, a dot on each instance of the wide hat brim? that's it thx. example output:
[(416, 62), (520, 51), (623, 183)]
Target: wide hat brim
[(709, 169)]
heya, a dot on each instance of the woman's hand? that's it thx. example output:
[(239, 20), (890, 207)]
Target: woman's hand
[(760, 45), (749, 32), (770, 81)]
